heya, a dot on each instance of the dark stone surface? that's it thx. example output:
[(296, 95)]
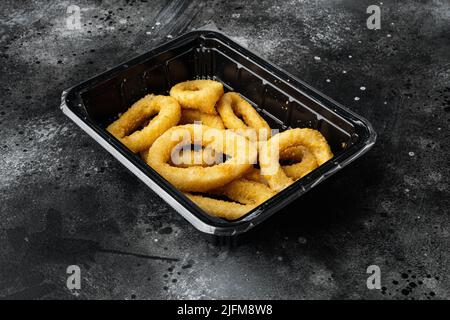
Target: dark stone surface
[(64, 200)]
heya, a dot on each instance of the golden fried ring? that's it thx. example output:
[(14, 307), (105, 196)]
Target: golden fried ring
[(232, 106), (306, 161), (144, 154), (211, 120), (242, 155), (246, 194), (168, 114), (198, 94), (271, 169), (220, 208), (254, 174), (246, 191)]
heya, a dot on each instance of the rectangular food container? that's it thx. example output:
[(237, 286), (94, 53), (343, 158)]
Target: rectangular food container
[(283, 100)]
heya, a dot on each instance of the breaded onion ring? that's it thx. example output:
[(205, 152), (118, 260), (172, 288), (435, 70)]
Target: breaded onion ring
[(306, 162), (246, 191), (255, 175), (232, 106), (168, 114), (245, 194), (241, 152), (271, 169), (144, 154), (189, 116), (198, 94)]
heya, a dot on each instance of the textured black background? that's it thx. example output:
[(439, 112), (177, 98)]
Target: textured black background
[(64, 200)]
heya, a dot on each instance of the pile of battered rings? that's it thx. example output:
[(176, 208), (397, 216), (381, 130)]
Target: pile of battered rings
[(216, 148)]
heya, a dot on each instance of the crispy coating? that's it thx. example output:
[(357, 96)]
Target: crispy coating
[(241, 152), (189, 116), (245, 194), (232, 107), (254, 174), (144, 154), (306, 161), (124, 129), (201, 95), (246, 191), (271, 169)]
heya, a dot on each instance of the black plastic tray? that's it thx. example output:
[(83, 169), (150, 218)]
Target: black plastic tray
[(283, 100)]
